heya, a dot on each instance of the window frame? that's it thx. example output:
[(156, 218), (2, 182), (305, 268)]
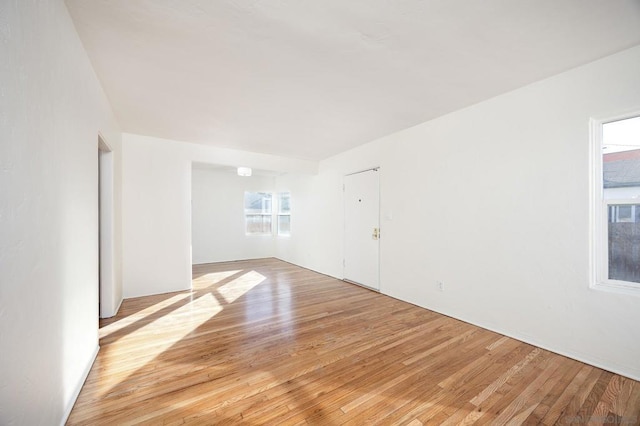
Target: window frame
[(278, 213), (270, 214), (599, 212)]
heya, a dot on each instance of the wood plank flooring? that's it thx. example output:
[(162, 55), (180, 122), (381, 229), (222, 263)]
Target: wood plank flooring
[(266, 342)]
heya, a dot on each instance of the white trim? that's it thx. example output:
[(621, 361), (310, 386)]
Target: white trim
[(106, 231), (277, 213), (76, 391), (361, 285), (119, 305), (598, 212), (595, 195)]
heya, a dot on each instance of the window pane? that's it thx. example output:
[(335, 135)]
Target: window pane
[(621, 158), (284, 225), (258, 224), (257, 203), (257, 213), (624, 242), (285, 202)]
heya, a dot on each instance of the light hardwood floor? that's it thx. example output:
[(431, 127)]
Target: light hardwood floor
[(266, 342)]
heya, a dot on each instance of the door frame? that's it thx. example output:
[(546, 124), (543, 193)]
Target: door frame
[(108, 306)]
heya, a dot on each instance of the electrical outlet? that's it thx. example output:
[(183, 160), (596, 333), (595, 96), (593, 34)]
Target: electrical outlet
[(440, 285)]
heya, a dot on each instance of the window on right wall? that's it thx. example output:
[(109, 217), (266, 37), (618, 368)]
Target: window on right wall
[(616, 206), (284, 214)]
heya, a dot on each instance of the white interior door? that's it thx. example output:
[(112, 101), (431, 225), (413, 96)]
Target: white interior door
[(362, 228)]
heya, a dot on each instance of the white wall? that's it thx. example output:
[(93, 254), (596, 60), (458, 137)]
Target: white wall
[(51, 111), (217, 227), (156, 207), (493, 200), (316, 222)]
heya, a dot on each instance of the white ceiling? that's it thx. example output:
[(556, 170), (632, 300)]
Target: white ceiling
[(310, 79)]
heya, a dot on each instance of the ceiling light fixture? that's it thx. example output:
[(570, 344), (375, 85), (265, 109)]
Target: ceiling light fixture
[(244, 171)]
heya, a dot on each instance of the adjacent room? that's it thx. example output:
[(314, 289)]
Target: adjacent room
[(338, 212)]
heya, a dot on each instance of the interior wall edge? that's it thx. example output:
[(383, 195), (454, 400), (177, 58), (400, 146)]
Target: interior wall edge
[(78, 388)]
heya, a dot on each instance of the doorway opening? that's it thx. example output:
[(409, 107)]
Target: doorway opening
[(107, 304)]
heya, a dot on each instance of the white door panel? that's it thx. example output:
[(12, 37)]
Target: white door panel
[(362, 228)]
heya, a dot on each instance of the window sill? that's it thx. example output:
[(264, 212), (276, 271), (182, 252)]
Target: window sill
[(625, 289)]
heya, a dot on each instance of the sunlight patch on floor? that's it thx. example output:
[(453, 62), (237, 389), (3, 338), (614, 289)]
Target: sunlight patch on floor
[(186, 312), (212, 278), (153, 339), (131, 319), (232, 290)]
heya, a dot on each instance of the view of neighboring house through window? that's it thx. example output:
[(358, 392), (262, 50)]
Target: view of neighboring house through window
[(284, 213), (619, 250), (258, 213)]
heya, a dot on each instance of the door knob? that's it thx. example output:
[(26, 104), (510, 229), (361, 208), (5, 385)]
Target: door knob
[(376, 233)]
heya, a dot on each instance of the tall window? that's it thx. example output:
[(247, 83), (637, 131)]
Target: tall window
[(617, 202), (284, 213), (258, 213)]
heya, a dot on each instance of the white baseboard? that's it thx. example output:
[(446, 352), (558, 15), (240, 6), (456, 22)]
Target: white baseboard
[(118, 307), (76, 391)]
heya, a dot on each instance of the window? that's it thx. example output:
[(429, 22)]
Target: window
[(616, 206), (284, 213), (258, 213)]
